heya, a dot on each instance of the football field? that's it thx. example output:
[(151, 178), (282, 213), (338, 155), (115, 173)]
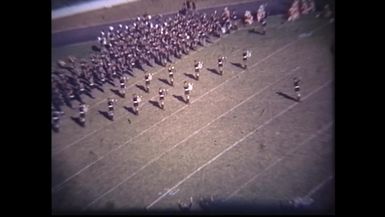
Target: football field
[(242, 139)]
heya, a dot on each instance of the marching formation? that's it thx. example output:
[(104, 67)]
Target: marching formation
[(147, 41)]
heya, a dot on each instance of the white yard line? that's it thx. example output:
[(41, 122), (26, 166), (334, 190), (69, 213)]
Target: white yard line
[(319, 186), (311, 137), (233, 145), (86, 7), (191, 135)]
